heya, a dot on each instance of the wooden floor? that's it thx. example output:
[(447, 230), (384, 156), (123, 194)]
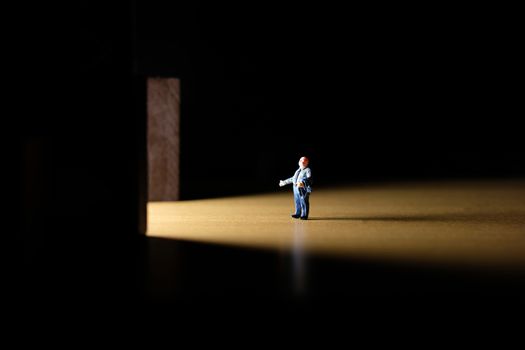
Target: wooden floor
[(391, 253), (462, 224)]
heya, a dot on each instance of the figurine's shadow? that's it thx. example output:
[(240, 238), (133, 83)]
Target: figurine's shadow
[(516, 216), (373, 218)]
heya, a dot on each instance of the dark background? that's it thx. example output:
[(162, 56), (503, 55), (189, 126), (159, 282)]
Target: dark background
[(366, 92)]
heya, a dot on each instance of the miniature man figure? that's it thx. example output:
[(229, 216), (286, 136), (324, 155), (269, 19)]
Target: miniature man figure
[(302, 187)]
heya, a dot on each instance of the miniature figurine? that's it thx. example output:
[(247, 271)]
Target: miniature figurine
[(302, 187)]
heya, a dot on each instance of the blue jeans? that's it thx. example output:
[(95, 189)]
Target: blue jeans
[(302, 202)]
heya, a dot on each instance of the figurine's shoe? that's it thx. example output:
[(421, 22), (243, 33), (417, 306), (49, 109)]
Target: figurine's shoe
[(295, 216), (304, 217)]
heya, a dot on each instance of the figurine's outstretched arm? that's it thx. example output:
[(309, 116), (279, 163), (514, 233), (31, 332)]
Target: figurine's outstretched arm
[(286, 182)]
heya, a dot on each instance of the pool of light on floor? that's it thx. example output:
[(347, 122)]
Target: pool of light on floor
[(477, 223)]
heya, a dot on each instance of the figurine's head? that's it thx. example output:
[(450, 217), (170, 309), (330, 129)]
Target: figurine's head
[(303, 162)]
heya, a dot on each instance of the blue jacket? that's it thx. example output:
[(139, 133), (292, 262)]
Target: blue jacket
[(304, 176)]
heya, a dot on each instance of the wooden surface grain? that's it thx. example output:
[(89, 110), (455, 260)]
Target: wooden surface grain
[(477, 223)]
